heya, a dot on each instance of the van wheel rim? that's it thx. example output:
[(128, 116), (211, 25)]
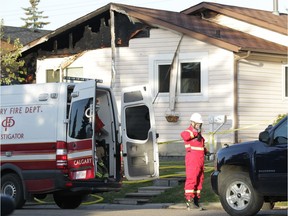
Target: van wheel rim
[(238, 195), (10, 190)]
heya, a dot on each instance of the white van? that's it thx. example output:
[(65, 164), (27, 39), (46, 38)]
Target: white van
[(65, 139)]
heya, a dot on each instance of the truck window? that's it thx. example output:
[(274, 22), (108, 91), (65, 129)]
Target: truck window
[(280, 134), (137, 122), (80, 126)]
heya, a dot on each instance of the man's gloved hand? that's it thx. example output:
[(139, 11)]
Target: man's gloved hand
[(208, 154), (199, 137)]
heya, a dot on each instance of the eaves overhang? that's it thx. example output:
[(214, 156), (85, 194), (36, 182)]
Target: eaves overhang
[(191, 26), (252, 16)]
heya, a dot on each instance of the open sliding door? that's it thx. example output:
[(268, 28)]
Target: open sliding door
[(140, 150)]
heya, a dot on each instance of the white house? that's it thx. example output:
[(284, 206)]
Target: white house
[(227, 63)]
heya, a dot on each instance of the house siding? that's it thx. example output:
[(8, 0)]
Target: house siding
[(133, 69), (260, 96)]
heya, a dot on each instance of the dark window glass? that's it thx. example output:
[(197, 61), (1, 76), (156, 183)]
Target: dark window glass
[(133, 96), (80, 126), (163, 78), (137, 122), (280, 135), (190, 77)]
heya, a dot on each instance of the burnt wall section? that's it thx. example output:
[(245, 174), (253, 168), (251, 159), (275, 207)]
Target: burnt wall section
[(125, 29), (86, 33), (94, 33), (94, 39)]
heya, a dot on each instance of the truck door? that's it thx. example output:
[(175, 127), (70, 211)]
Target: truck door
[(140, 150), (271, 162), (80, 137)]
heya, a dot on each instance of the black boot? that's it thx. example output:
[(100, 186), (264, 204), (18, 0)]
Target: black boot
[(190, 204), (197, 204)]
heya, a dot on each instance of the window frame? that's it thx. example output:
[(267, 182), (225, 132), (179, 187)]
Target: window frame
[(285, 82), (162, 59)]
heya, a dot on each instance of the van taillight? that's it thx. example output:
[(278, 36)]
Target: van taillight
[(61, 155)]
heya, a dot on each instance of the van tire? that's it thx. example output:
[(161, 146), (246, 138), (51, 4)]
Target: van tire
[(11, 185), (238, 196), (67, 202)]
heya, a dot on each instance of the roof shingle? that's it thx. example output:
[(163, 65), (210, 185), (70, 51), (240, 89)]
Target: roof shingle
[(25, 35)]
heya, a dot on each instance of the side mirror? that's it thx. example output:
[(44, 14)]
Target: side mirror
[(264, 136), (269, 127)]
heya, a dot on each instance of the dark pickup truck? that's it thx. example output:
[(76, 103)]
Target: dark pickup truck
[(248, 174)]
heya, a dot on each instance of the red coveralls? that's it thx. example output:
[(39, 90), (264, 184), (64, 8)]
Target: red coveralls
[(194, 162)]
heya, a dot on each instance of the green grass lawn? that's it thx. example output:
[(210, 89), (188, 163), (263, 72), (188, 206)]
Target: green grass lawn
[(173, 195)]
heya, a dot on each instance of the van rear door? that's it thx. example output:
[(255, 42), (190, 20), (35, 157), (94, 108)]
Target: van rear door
[(80, 136), (140, 150)]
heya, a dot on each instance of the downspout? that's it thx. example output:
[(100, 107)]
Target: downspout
[(173, 77), (235, 94), (113, 48)]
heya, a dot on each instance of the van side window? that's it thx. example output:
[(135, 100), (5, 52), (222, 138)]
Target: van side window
[(137, 122), (80, 126), (280, 134)]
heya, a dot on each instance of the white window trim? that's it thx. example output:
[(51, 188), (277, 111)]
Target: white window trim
[(285, 98), (155, 60)]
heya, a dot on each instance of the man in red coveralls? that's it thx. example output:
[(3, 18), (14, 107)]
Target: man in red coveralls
[(194, 161)]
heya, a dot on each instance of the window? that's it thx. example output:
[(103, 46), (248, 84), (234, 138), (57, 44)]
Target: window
[(52, 75), (80, 125), (164, 78), (137, 122), (132, 96), (280, 134), (192, 77), (75, 72)]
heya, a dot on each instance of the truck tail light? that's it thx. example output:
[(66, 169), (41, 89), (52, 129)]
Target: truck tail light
[(61, 155)]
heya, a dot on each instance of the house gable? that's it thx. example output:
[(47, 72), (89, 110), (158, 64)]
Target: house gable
[(265, 19)]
